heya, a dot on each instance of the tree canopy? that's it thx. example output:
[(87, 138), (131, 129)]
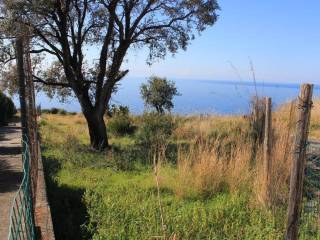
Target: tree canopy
[(64, 34), (158, 93)]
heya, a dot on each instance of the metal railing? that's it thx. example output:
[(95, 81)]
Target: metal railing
[(21, 216)]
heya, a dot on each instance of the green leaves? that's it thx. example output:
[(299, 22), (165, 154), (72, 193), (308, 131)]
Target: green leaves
[(158, 93)]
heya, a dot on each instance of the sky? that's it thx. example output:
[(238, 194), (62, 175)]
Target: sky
[(282, 38)]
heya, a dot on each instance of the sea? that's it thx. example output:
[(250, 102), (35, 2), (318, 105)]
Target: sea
[(196, 96)]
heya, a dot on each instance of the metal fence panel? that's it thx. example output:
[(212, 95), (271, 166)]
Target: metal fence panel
[(21, 216)]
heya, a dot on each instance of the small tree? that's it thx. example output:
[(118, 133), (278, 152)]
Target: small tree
[(158, 93)]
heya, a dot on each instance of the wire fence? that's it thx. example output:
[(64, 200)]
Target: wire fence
[(21, 215), (311, 211)]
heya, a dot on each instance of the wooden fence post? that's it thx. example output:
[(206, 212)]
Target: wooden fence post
[(299, 158), (267, 160)]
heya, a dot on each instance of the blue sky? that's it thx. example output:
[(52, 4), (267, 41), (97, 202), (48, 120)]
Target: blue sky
[(281, 37)]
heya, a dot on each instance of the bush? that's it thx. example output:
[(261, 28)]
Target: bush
[(154, 132), (7, 109), (55, 111), (62, 112), (120, 123), (117, 110), (45, 111)]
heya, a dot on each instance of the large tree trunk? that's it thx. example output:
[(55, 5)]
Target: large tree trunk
[(22, 86), (97, 130), (94, 116)]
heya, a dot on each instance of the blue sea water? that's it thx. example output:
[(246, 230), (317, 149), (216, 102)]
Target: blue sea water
[(197, 96)]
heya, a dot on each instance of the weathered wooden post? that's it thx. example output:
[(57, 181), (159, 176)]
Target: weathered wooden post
[(267, 160), (304, 104)]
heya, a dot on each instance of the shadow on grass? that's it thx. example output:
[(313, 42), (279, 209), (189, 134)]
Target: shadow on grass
[(69, 213)]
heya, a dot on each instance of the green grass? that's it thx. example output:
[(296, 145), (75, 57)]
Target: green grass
[(124, 205), (114, 196)]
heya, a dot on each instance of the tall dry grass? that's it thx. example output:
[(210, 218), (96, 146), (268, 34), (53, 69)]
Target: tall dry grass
[(203, 169), (192, 128), (281, 158), (283, 126)]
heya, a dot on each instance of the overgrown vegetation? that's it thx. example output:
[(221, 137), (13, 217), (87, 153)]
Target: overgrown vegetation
[(120, 122), (208, 184), (154, 133)]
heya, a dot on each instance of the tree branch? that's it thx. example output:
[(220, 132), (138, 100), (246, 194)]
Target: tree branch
[(121, 75), (54, 48), (35, 51), (8, 60), (165, 25), (104, 51), (40, 80)]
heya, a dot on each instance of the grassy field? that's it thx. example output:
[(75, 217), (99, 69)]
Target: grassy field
[(205, 182)]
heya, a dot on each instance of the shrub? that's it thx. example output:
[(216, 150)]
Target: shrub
[(55, 111), (154, 132), (120, 123), (44, 111), (117, 110), (7, 109), (62, 112)]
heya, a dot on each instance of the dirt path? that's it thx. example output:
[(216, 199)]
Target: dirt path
[(10, 172)]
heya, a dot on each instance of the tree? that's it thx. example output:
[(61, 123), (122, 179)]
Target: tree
[(159, 93), (64, 32)]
